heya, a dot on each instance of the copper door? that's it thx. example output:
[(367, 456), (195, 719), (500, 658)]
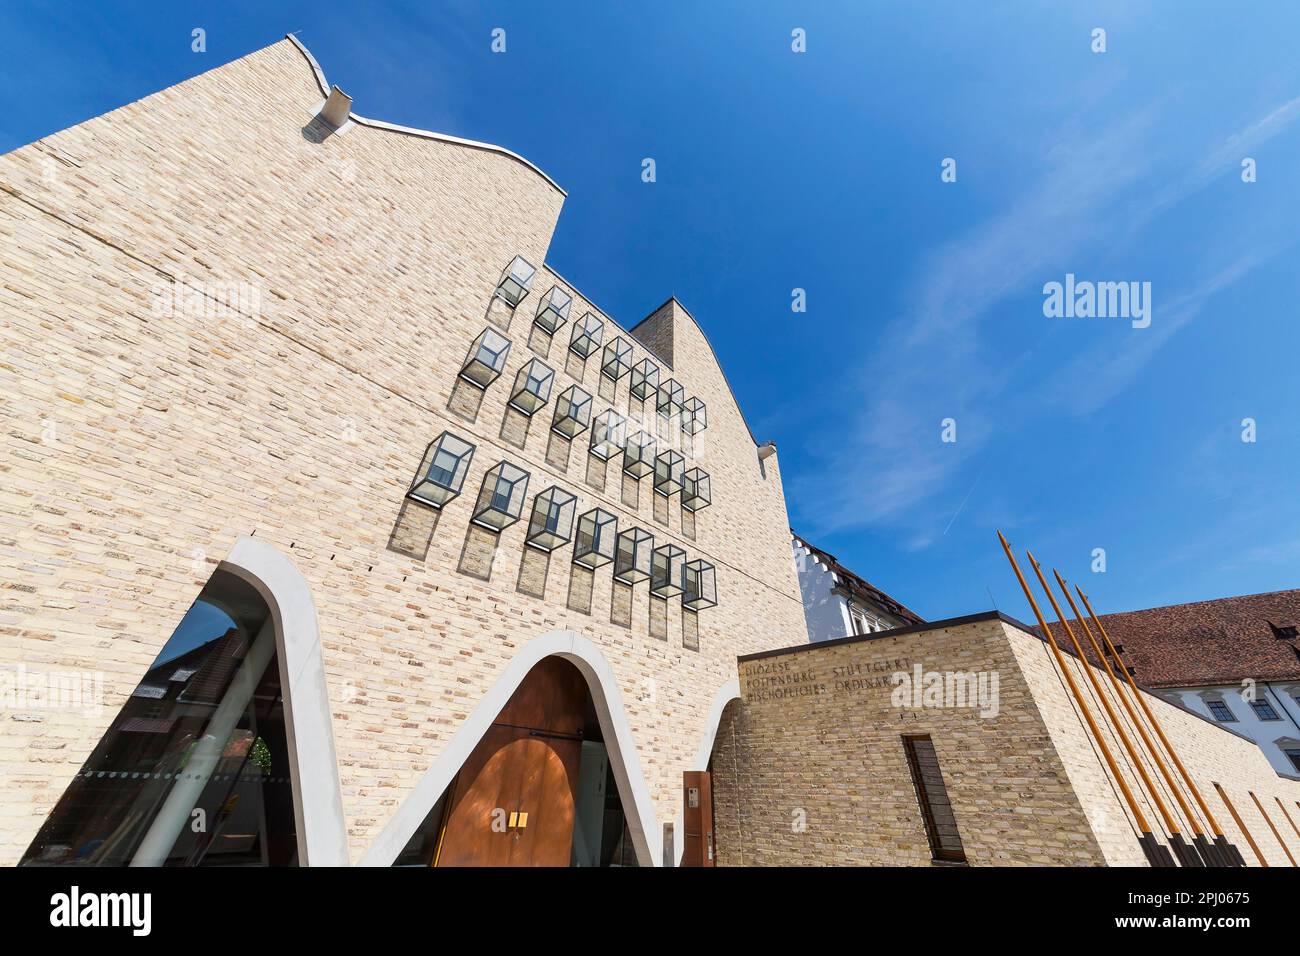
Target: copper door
[(697, 817), (513, 801)]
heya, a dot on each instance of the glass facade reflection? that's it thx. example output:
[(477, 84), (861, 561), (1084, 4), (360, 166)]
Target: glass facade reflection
[(195, 769)]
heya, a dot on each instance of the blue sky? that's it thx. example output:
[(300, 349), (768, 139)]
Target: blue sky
[(821, 171)]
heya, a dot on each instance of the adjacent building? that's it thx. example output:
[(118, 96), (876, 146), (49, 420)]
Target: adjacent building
[(839, 603), (1235, 660)]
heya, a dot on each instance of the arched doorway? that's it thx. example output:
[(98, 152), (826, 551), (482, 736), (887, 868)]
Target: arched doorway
[(537, 790)]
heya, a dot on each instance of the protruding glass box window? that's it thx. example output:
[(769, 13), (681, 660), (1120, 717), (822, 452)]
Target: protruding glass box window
[(633, 555), (639, 455), (699, 585), (516, 281), (551, 524), (588, 332), (532, 387), (667, 570), (645, 379), (486, 358), (695, 416), (572, 412), (696, 490), (553, 310), (597, 534), (671, 395), (501, 499), (443, 470), (670, 466), (616, 360), (608, 434)]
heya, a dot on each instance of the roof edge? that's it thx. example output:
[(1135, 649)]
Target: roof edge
[(413, 131)]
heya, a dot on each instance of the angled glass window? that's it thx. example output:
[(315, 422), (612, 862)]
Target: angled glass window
[(594, 546), (204, 735), (645, 379), (532, 387), (572, 412), (553, 310), (695, 416), (608, 434), (669, 469), (501, 498), (639, 455), (669, 401), (633, 555), (551, 524), (667, 568), (443, 470), (699, 585), (587, 334), (616, 360), (516, 281), (695, 489), (487, 357)]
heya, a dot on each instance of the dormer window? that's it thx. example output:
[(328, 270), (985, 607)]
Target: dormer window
[(486, 359), (667, 569), (695, 416), (597, 531), (633, 555), (532, 387), (443, 470), (501, 498), (639, 455), (696, 493), (572, 412), (551, 524), (699, 585), (616, 360), (671, 395), (516, 281), (553, 310), (669, 469), (608, 434), (587, 334), (645, 379)]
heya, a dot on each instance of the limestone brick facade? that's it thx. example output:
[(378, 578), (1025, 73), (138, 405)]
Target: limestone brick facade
[(220, 319)]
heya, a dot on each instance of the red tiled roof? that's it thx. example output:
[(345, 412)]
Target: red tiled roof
[(859, 587), (1223, 641)]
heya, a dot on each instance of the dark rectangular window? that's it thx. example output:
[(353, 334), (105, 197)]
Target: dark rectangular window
[(1295, 758), (1220, 711), (1264, 710), (936, 809)]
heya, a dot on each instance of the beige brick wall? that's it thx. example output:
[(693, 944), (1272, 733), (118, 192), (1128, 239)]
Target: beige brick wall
[(810, 768), (138, 446)]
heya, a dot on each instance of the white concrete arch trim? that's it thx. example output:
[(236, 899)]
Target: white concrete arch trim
[(317, 797), (582, 653), (642, 821)]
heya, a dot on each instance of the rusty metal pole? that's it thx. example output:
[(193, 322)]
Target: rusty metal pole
[(1226, 849), (1182, 850), (1156, 854)]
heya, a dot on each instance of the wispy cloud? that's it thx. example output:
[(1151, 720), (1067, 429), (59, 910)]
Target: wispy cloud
[(938, 360)]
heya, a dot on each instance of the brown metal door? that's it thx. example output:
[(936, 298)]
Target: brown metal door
[(697, 836), (513, 801)]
